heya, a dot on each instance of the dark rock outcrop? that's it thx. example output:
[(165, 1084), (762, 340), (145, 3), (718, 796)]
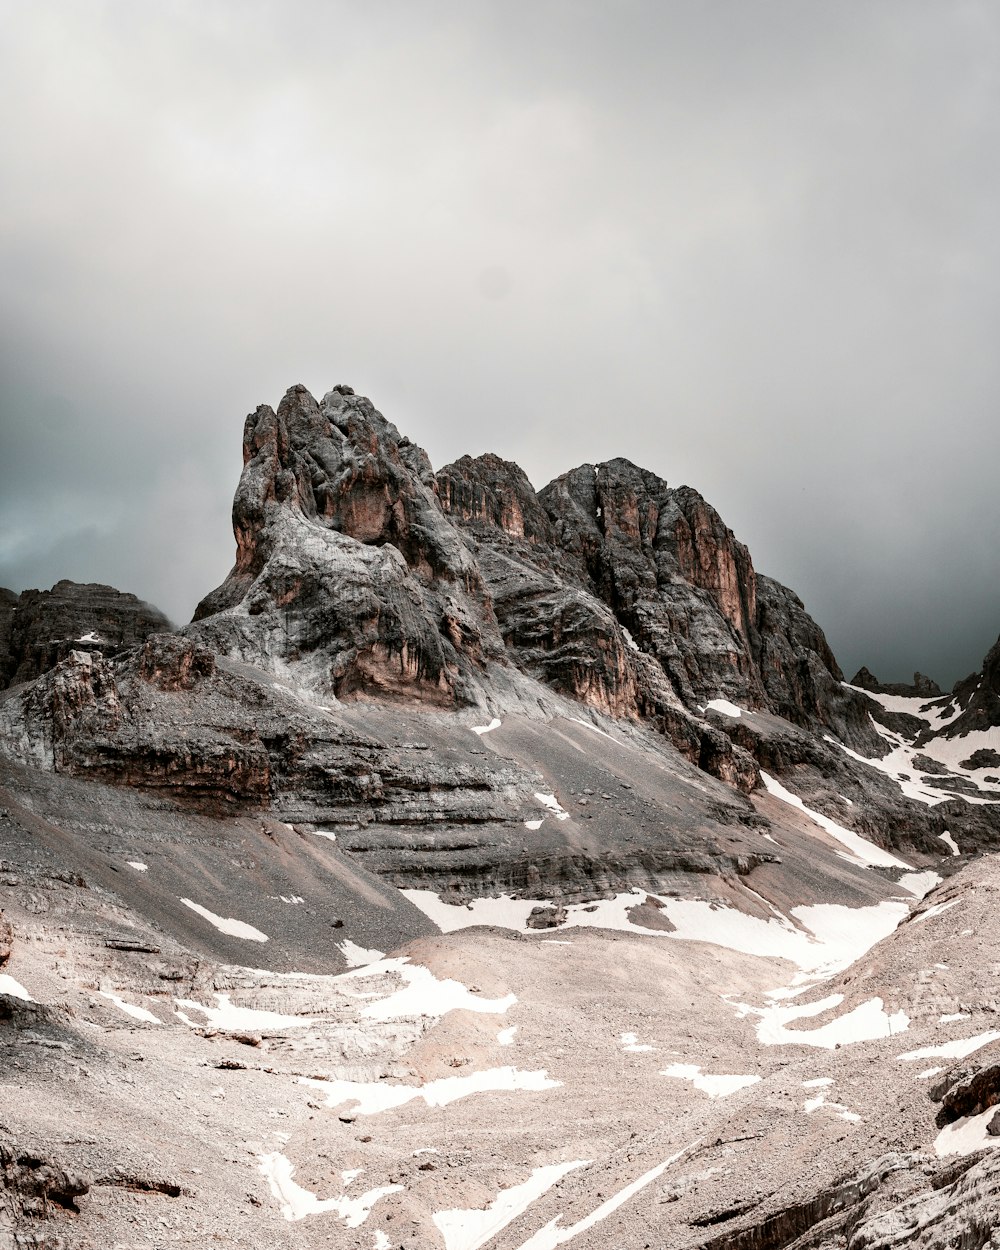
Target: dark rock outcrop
[(35, 1187), (170, 718), (39, 628), (922, 687), (979, 698)]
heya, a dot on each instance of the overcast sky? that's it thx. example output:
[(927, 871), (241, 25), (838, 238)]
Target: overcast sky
[(749, 244)]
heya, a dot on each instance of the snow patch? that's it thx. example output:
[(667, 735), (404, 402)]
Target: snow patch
[(630, 1042), (373, 1097), (495, 723), (137, 865), (726, 708), (825, 938), (713, 1086), (865, 1023), (552, 803), (358, 956), (14, 988), (936, 909), (138, 1013), (506, 1036), (235, 928), (864, 852), (950, 842), (423, 994), (967, 1135), (952, 1050), (297, 1203), (228, 1017), (552, 1235)]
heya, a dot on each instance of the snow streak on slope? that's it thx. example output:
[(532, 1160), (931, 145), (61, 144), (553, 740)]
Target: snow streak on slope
[(468, 1230), (373, 1097), (552, 1235), (862, 851), (235, 928)]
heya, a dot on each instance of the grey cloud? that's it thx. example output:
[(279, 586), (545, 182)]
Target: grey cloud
[(748, 245)]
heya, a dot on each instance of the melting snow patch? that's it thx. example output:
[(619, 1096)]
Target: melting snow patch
[(91, 637), (138, 1013), (358, 956), (837, 1108), (533, 824), (958, 1015), (928, 1072), (325, 833), (351, 1174), (713, 1086), (630, 1042), (950, 842), (468, 1230), (864, 852), (966, 1135), (506, 1036), (552, 1235), (952, 1050), (424, 994), (226, 1016), (936, 910), (865, 1023), (381, 1240), (485, 729), (817, 1082), (235, 928), (139, 867), (297, 1203), (14, 988), (372, 1097), (630, 642), (552, 803), (725, 707), (919, 883)]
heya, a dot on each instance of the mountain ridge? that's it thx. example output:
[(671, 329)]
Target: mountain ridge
[(441, 749)]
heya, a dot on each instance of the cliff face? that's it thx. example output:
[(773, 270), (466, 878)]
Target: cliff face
[(636, 598), (367, 573), (345, 566), (38, 628)]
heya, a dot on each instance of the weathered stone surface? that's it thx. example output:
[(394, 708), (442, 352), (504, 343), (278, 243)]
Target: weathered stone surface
[(345, 567), (35, 1187), (40, 627), (967, 1091)]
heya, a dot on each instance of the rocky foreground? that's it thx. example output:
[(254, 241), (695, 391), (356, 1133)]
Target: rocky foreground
[(484, 867)]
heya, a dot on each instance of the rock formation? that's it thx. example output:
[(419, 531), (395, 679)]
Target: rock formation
[(345, 568), (38, 628), (447, 716)]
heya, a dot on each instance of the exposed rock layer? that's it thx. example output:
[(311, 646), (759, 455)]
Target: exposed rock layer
[(38, 628)]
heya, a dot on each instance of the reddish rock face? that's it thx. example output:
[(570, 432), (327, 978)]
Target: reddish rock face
[(345, 565)]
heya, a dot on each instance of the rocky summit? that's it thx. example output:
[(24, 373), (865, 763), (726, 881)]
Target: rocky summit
[(487, 867)]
